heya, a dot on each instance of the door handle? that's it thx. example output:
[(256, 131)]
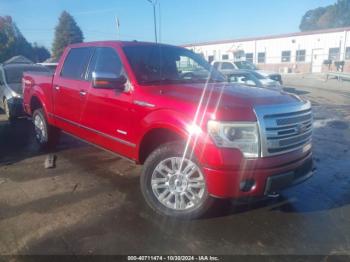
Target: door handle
[(57, 88), (82, 92)]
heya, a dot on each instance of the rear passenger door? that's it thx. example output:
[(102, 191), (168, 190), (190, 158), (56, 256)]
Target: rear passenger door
[(70, 88)]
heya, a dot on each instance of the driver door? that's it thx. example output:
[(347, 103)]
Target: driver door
[(106, 115)]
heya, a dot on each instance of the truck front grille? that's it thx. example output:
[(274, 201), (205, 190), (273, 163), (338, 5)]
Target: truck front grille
[(284, 128)]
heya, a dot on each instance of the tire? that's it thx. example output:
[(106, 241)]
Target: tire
[(8, 113), (46, 135), (178, 195)]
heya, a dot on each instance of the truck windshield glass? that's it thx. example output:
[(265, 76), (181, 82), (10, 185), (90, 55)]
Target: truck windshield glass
[(14, 74), (246, 65), (159, 64)]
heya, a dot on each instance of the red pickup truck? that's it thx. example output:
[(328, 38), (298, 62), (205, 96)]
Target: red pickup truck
[(198, 137)]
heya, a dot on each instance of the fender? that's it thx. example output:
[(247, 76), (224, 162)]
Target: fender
[(171, 120), (39, 93)]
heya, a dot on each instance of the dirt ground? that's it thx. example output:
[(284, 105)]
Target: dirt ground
[(91, 202)]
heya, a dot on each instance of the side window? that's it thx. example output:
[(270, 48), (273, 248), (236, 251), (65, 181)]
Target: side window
[(76, 62), (285, 56), (249, 57), (105, 60), (334, 53), (224, 57), (226, 65)]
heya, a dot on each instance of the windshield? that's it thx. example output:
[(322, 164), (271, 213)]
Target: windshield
[(14, 74), (158, 64), (246, 65)]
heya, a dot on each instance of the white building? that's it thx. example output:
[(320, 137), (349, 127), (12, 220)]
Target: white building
[(296, 52)]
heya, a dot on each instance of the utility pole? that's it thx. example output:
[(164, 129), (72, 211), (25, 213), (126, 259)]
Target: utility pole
[(154, 3)]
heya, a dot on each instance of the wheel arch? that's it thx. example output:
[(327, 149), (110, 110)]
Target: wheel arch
[(157, 136)]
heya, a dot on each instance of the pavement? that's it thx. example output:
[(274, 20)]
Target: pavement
[(90, 202)]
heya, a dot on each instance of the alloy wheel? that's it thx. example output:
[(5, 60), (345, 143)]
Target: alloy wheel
[(40, 129), (178, 183)]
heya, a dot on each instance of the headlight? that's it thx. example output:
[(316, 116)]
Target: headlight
[(241, 135), (14, 94)]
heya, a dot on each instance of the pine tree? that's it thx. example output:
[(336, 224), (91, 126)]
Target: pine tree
[(66, 32)]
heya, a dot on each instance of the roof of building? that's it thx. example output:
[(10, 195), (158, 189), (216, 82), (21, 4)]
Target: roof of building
[(18, 60), (323, 31)]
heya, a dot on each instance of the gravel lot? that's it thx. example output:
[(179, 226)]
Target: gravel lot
[(91, 202)]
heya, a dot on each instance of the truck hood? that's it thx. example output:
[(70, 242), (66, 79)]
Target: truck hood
[(226, 95)]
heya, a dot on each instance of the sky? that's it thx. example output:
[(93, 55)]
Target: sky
[(180, 21)]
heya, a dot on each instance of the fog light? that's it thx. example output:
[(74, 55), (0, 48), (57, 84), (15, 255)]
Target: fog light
[(247, 185)]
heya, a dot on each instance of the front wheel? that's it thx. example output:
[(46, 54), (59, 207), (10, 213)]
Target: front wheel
[(46, 135), (173, 184)]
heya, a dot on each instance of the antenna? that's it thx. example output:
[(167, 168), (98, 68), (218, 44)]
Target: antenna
[(118, 27), (154, 3)]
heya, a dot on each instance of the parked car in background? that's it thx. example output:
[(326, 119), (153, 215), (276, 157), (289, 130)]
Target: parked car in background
[(198, 137), (252, 78), (11, 73), (227, 66)]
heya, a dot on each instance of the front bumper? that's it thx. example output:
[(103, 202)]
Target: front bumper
[(16, 106), (227, 183)]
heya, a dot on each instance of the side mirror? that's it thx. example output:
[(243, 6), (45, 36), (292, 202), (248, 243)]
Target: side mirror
[(108, 81)]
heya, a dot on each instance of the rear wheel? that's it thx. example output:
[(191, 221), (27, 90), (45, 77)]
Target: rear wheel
[(173, 184), (46, 135)]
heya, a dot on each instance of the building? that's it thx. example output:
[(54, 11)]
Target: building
[(302, 52)]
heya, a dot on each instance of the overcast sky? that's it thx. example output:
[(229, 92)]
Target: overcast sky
[(182, 21)]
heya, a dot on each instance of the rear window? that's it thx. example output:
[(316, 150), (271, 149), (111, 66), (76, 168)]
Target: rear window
[(14, 74), (76, 62), (227, 65)]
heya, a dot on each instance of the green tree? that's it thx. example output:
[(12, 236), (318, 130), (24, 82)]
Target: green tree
[(332, 16), (66, 32), (7, 38), (13, 43), (40, 53)]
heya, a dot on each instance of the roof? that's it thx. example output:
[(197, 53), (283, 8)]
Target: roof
[(114, 42), (18, 60), (8, 66), (324, 31)]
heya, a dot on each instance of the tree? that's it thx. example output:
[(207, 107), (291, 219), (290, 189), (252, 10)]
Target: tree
[(332, 16), (66, 32), (7, 38), (40, 53), (13, 43)]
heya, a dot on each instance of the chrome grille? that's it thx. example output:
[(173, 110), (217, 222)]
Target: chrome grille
[(284, 128)]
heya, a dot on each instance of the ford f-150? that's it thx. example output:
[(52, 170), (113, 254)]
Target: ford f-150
[(198, 137)]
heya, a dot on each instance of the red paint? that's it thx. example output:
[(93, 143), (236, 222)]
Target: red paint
[(107, 111)]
